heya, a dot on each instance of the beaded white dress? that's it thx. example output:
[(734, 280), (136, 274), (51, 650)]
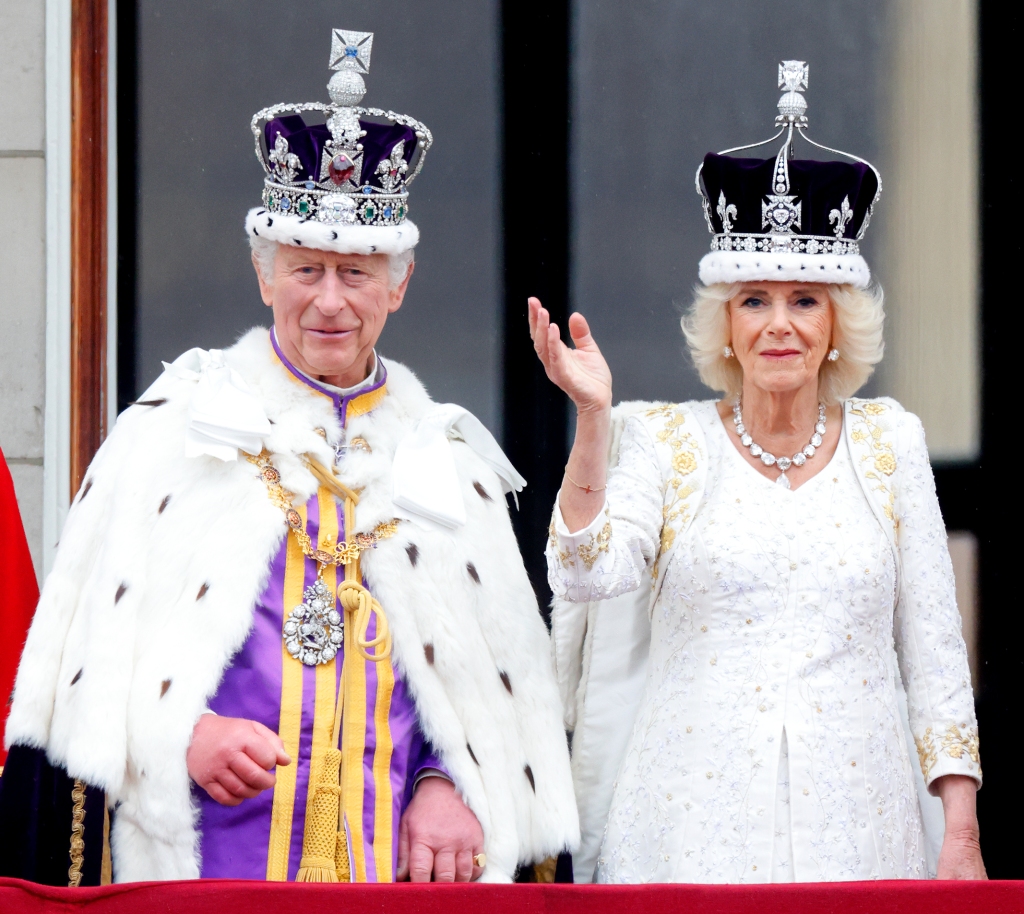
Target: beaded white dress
[(768, 745)]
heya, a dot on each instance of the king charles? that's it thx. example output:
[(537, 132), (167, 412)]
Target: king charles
[(288, 632)]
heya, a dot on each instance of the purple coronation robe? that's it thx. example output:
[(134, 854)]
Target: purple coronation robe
[(236, 840)]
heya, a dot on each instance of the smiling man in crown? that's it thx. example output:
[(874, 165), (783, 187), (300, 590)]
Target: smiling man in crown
[(288, 632)]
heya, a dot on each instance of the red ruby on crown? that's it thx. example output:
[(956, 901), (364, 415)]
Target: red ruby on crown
[(341, 168)]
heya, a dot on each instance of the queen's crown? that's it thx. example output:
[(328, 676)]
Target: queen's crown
[(354, 167), (787, 205)]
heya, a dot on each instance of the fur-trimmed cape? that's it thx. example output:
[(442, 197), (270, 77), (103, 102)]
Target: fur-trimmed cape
[(152, 593)]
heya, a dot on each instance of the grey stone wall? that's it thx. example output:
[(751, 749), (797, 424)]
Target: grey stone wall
[(204, 70), (23, 257)]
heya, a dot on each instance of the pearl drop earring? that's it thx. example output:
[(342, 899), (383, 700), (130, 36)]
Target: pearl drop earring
[(833, 355), (727, 352)]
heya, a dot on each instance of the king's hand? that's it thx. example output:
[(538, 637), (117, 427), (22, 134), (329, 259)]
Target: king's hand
[(233, 759), (439, 835)]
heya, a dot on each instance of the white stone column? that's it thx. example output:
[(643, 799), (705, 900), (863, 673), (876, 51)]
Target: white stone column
[(929, 252), (23, 257)]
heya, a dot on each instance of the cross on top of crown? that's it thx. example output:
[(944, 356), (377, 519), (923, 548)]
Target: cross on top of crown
[(351, 50), (793, 75)]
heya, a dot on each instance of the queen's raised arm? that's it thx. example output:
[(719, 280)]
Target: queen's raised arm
[(611, 555)]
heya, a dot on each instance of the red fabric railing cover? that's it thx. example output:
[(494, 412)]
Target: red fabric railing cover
[(229, 896)]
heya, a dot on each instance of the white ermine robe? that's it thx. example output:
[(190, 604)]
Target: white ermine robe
[(123, 655)]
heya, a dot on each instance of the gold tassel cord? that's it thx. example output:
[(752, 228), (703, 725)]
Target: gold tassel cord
[(77, 834), (328, 479), (325, 847), (361, 606), (319, 843)]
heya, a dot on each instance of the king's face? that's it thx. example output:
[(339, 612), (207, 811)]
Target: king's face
[(330, 309)]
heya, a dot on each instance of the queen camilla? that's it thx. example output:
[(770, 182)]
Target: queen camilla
[(746, 589)]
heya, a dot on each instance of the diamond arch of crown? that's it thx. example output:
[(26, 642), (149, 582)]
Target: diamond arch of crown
[(793, 77), (424, 138)]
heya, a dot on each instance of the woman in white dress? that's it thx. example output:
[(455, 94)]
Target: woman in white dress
[(788, 550)]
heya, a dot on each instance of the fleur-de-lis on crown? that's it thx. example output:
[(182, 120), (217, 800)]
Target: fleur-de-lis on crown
[(840, 217), (726, 212), (284, 163), (391, 170)]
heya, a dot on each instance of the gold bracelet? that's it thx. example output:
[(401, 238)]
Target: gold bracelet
[(586, 489)]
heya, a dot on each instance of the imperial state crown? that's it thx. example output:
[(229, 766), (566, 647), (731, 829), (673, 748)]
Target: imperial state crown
[(337, 175), (787, 219)]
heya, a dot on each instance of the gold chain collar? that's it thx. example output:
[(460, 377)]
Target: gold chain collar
[(343, 553)]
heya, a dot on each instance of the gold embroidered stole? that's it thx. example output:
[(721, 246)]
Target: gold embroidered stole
[(334, 844)]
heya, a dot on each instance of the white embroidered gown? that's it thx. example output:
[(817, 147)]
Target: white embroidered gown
[(768, 745)]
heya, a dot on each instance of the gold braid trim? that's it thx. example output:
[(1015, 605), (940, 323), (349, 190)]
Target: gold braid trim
[(954, 743), (677, 508), (77, 834), (106, 864), (878, 459), (588, 552)]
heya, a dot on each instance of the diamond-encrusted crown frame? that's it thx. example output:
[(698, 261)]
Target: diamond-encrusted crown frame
[(782, 212), (339, 196)]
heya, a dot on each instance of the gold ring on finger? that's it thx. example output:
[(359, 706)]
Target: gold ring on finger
[(480, 860)]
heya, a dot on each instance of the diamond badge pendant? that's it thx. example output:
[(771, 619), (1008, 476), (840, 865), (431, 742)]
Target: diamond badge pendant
[(314, 631)]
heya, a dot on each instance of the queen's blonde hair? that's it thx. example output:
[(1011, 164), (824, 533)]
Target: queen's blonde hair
[(857, 323)]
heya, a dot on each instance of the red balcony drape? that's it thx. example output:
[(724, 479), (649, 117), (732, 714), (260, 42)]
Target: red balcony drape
[(228, 896)]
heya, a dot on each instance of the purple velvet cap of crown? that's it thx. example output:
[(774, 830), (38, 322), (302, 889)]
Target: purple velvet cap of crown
[(308, 141), (820, 188)]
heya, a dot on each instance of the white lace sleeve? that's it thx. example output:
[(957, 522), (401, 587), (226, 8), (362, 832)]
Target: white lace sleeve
[(611, 556), (929, 645)]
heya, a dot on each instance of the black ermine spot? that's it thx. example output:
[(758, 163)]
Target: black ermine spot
[(473, 573), (482, 492), (164, 504), (505, 681), (412, 550), (120, 593), (164, 686), (469, 749), (528, 771), (202, 592), (428, 652), (85, 489), (158, 402), (78, 676)]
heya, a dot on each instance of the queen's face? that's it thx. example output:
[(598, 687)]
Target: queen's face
[(330, 309), (781, 332)]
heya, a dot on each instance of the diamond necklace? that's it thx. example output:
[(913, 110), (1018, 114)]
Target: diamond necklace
[(783, 463)]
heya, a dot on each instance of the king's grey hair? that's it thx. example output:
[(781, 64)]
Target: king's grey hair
[(264, 251)]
